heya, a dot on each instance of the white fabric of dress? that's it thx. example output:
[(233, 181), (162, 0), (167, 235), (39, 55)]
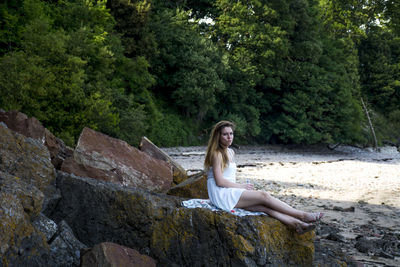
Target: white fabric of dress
[(223, 197)]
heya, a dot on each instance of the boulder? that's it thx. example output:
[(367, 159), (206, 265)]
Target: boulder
[(28, 237), (157, 225), (20, 243), (194, 187), (46, 226), (27, 159), (31, 127), (133, 167), (65, 248), (179, 173), (71, 166), (110, 254)]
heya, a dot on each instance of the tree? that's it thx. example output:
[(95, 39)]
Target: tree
[(188, 66)]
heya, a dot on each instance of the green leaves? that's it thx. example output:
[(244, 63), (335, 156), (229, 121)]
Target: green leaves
[(288, 71), (188, 65)]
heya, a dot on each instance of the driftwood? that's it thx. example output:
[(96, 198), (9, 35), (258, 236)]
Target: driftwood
[(370, 123), (333, 146)]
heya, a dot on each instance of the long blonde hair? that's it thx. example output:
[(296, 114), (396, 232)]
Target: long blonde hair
[(214, 147)]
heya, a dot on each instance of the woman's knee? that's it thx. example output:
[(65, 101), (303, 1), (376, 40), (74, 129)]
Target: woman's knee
[(265, 195)]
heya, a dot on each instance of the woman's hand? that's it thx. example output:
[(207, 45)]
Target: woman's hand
[(248, 186)]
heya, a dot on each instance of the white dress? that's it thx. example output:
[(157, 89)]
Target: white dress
[(223, 197)]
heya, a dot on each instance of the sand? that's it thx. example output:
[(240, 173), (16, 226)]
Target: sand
[(357, 189)]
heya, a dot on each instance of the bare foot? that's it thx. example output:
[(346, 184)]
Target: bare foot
[(310, 217)]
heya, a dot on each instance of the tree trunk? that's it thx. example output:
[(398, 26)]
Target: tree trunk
[(370, 123)]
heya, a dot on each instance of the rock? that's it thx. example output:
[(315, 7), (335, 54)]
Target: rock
[(29, 160), (31, 127), (335, 237), (58, 150), (136, 168), (46, 226), (349, 209), (98, 211), (110, 254), (157, 225), (179, 173), (71, 166), (194, 187), (384, 254), (330, 254), (20, 243), (65, 248), (364, 245), (25, 233)]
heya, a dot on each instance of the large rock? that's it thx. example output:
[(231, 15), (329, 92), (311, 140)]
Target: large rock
[(28, 159), (31, 127), (110, 254), (194, 187), (64, 248), (133, 167), (28, 237), (179, 173), (71, 166), (20, 243), (157, 225)]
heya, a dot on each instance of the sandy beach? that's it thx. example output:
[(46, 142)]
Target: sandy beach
[(357, 189)]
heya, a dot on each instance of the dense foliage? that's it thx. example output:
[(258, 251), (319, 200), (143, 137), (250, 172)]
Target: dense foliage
[(291, 71)]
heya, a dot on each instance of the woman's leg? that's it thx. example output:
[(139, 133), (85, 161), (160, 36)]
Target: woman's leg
[(286, 219), (300, 226), (251, 198)]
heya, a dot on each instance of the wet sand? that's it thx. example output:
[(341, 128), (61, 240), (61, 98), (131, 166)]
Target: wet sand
[(357, 189)]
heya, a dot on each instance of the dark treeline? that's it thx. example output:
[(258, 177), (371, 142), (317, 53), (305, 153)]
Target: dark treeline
[(285, 71)]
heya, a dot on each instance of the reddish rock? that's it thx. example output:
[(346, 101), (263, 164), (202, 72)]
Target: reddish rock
[(179, 173), (132, 167), (194, 187), (71, 166), (31, 127), (20, 123), (113, 255)]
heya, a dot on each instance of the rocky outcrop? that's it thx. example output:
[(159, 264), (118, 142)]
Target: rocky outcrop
[(28, 160), (179, 173), (110, 254), (27, 237), (20, 243), (156, 224), (31, 127), (127, 165), (48, 220), (194, 187)]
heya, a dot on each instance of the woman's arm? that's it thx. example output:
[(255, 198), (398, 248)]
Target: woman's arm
[(219, 179)]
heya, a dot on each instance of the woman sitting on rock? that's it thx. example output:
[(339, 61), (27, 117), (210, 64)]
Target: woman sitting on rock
[(226, 194)]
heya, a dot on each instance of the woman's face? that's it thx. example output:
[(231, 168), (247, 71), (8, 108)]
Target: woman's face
[(226, 137)]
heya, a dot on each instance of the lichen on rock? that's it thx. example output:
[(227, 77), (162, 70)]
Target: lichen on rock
[(173, 235)]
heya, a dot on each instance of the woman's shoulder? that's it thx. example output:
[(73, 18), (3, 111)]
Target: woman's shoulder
[(216, 155)]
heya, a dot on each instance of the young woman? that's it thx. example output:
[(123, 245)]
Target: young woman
[(226, 194)]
